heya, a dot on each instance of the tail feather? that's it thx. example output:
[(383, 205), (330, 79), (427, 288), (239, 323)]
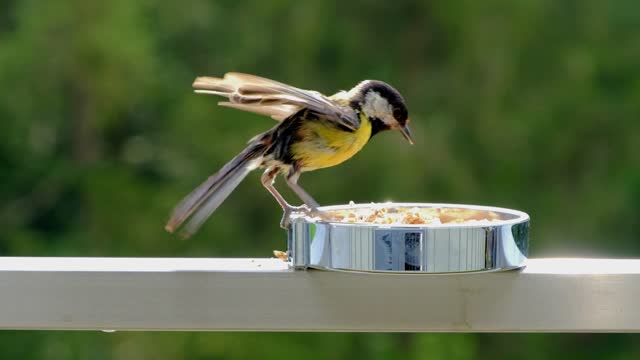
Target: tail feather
[(208, 206), (207, 197)]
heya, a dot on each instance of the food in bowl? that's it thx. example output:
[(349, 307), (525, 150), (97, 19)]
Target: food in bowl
[(389, 214)]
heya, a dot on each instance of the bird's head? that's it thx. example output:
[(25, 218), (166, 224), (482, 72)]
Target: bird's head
[(383, 105)]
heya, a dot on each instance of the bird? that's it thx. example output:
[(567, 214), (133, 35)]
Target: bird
[(314, 131)]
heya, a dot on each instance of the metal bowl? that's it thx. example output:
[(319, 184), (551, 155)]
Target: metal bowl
[(435, 248)]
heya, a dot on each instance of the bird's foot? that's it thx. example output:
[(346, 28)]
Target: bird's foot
[(289, 210), (323, 215), (304, 209)]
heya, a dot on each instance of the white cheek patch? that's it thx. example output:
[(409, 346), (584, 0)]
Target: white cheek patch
[(376, 106)]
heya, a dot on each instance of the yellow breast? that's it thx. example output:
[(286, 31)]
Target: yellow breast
[(326, 145)]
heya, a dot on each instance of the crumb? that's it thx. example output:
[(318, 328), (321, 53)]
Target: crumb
[(282, 255)]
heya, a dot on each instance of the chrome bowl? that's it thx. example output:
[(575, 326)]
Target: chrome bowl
[(434, 248)]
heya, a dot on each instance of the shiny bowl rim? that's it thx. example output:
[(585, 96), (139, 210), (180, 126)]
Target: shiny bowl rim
[(520, 216)]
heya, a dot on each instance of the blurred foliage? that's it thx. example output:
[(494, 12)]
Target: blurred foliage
[(533, 105)]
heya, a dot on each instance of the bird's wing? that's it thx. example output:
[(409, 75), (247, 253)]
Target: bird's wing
[(268, 97)]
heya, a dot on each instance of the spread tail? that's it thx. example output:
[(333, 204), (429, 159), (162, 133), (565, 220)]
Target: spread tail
[(205, 199)]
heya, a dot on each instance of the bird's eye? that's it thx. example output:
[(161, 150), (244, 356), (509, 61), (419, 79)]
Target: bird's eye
[(398, 113)]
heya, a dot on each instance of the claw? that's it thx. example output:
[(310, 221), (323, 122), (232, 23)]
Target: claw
[(308, 211), (320, 214), (289, 210)]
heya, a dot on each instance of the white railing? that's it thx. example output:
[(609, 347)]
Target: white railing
[(263, 294)]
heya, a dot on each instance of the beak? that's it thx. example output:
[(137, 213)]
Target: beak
[(406, 133)]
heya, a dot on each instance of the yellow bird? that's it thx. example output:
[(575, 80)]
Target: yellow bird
[(314, 131)]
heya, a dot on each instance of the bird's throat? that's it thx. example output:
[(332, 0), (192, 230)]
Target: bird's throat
[(377, 126)]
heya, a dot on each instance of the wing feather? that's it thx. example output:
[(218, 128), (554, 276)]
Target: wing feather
[(277, 112), (269, 97)]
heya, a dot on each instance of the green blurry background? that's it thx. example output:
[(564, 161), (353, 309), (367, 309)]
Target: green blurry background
[(527, 104)]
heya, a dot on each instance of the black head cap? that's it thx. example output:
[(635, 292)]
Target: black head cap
[(398, 106)]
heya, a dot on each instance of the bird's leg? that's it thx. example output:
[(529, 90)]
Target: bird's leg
[(267, 181), (292, 181)]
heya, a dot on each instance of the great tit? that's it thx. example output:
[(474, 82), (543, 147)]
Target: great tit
[(314, 131)]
